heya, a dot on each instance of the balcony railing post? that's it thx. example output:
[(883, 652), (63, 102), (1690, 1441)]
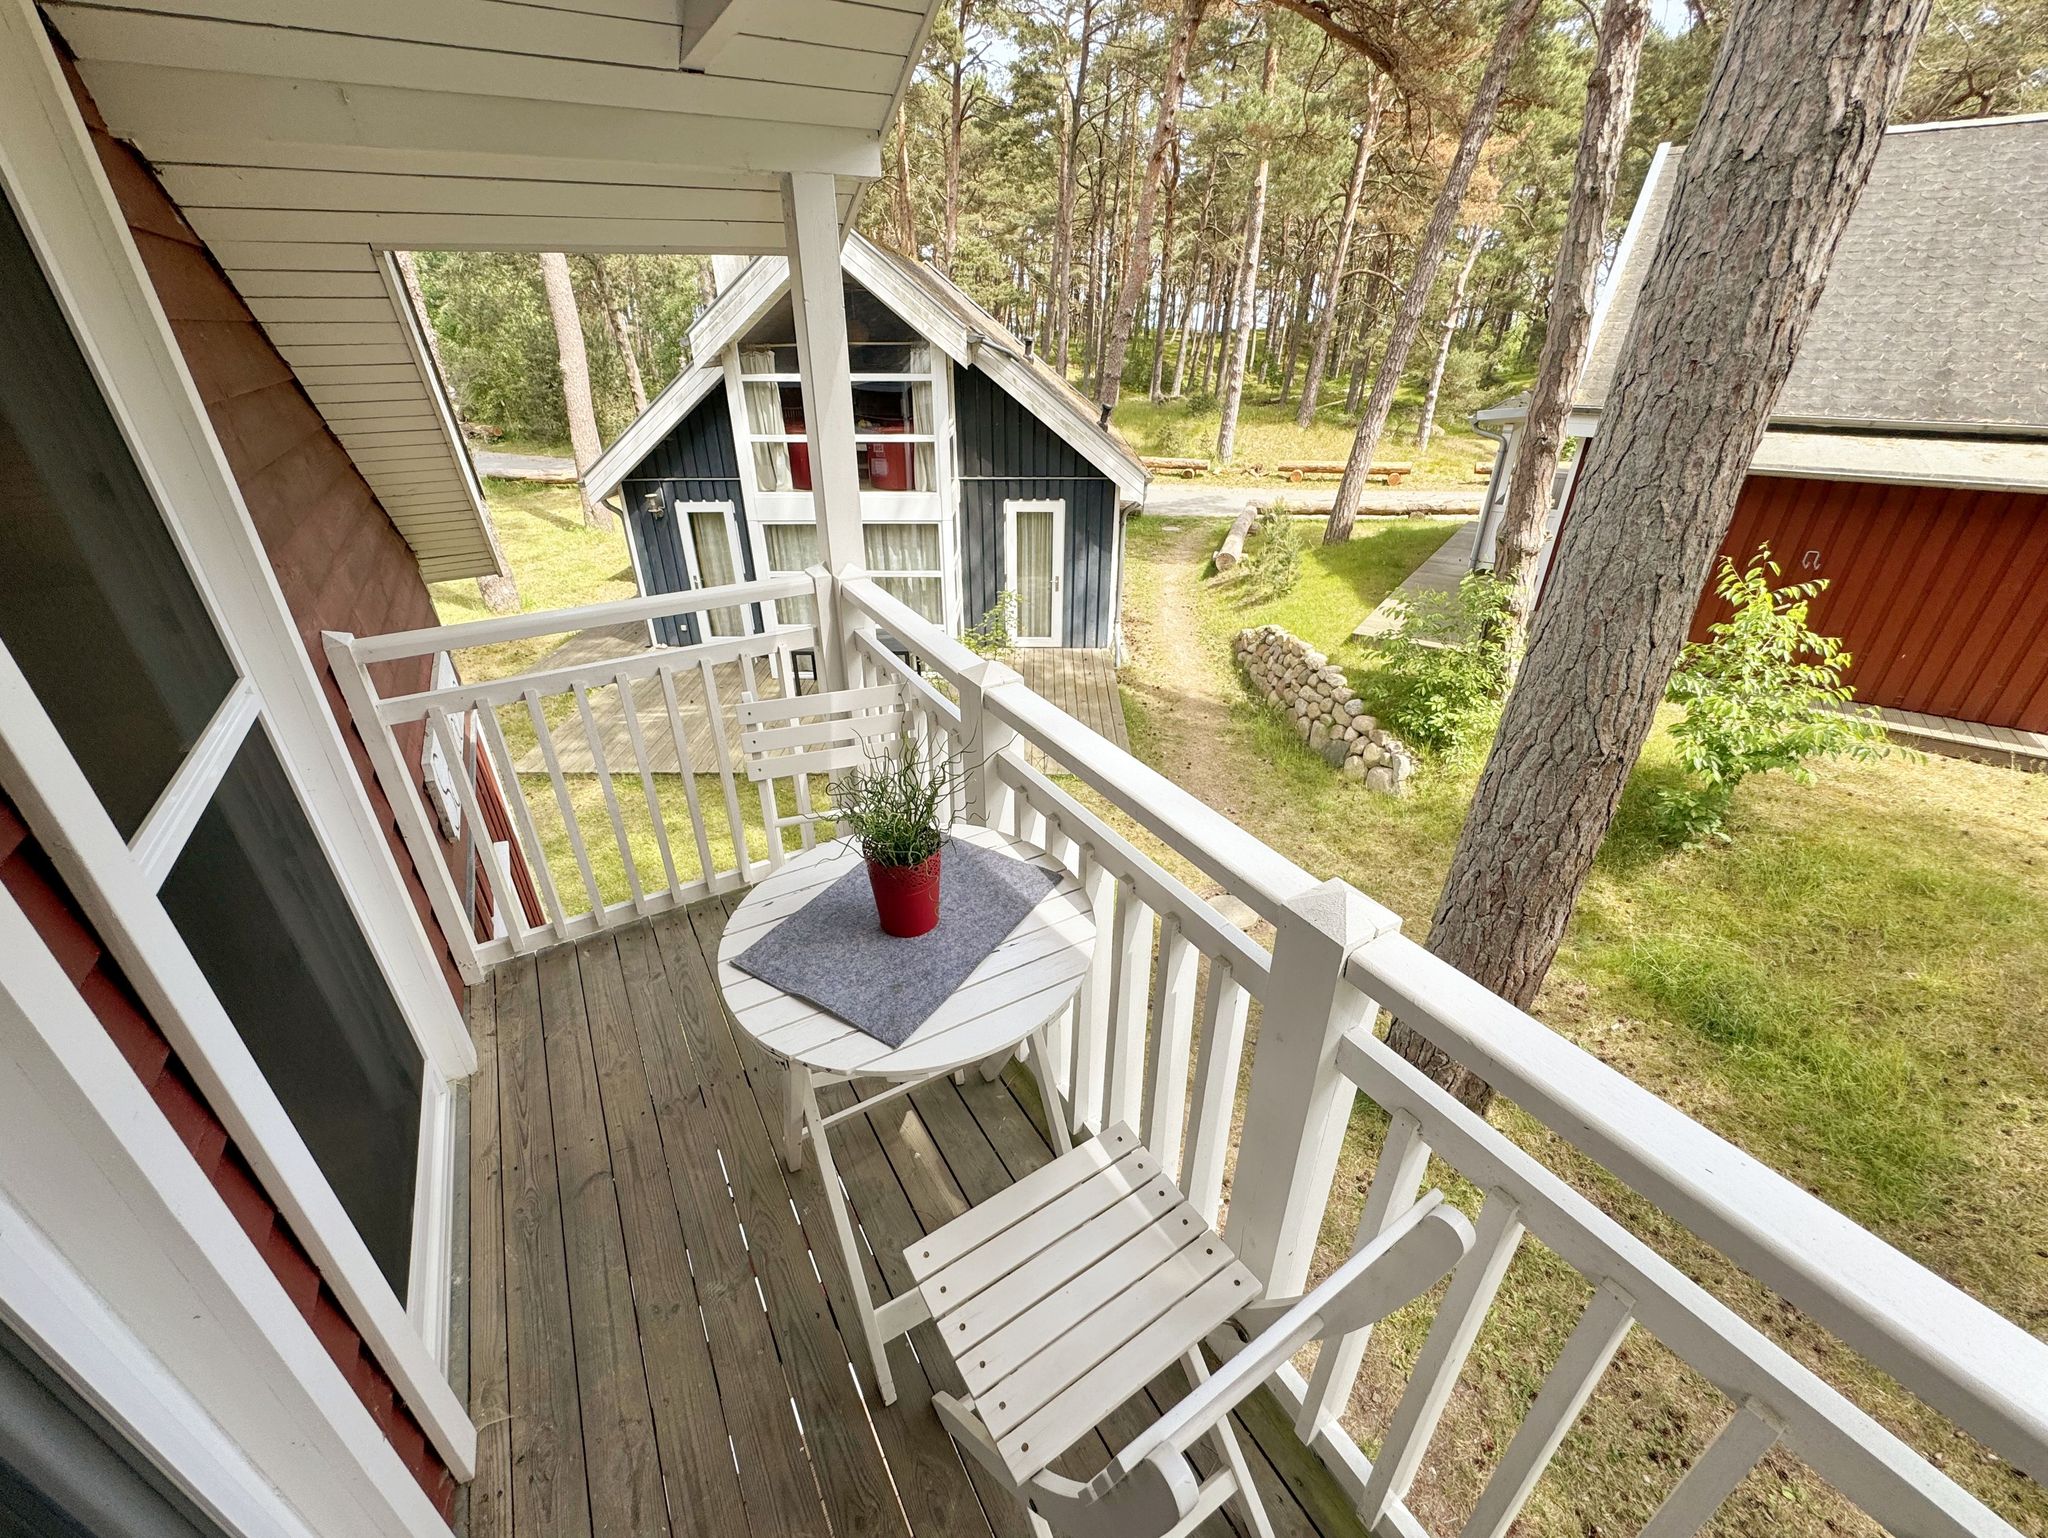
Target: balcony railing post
[(1299, 1101), (835, 631), (985, 740)]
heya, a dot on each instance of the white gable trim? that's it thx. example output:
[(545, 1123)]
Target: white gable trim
[(765, 282)]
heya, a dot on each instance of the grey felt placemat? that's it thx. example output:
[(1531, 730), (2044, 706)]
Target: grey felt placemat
[(833, 952)]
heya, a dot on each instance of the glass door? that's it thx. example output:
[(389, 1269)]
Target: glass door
[(1032, 576), (714, 552)]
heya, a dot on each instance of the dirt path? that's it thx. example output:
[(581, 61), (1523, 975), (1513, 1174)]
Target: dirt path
[(1180, 687)]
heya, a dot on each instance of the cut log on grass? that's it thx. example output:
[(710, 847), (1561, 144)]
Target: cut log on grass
[(1393, 473), (1186, 469), (1231, 551)]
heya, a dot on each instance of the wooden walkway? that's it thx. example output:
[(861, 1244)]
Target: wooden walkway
[(659, 1324), (1441, 573), (1082, 683)]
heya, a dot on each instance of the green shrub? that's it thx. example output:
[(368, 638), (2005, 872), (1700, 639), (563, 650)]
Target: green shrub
[(992, 637), (1441, 675), (1273, 554), (1764, 692)]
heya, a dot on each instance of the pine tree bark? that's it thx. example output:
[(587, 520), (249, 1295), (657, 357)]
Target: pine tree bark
[(1239, 356), (1166, 287), (499, 589), (1062, 276), (906, 212), (1429, 260), (575, 367), (1333, 279), (620, 324), (1610, 95), (1793, 118), (956, 136), (1137, 265), (1426, 428)]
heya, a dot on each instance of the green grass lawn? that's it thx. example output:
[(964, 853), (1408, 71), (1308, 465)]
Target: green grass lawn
[(1850, 991), (1266, 434)]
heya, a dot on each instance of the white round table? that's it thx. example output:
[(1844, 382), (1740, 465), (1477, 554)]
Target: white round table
[(1007, 1002)]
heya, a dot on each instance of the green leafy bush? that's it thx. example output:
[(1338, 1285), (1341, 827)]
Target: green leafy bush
[(1764, 692), (1441, 675), (1272, 554), (992, 636)]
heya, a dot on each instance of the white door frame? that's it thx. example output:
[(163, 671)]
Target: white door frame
[(1057, 506), (686, 538)]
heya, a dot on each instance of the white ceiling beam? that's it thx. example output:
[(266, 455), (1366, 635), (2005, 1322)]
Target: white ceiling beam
[(707, 26), (201, 115)]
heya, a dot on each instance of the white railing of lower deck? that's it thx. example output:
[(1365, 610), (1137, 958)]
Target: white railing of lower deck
[(658, 697), (1158, 1036)]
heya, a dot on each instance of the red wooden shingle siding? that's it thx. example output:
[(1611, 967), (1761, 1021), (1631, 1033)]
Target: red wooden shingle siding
[(1940, 595), (32, 881), (340, 562)]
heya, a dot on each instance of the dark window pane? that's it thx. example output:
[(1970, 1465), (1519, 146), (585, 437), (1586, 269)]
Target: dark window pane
[(95, 603), (254, 898)]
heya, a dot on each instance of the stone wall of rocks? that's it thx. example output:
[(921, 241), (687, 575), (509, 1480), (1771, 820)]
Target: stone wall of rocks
[(1299, 681)]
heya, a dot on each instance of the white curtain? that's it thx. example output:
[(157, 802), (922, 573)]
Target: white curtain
[(764, 415), (792, 547), (710, 537), (1033, 576), (908, 547)]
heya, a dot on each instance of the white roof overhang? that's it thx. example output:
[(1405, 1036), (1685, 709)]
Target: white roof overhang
[(303, 139)]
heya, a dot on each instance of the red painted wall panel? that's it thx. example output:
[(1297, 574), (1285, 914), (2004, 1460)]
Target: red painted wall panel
[(1940, 594)]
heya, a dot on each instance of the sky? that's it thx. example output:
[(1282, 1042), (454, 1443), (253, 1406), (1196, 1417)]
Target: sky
[(1670, 16)]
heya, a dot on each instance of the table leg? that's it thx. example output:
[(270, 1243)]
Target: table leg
[(796, 1088), (849, 1242), (1046, 1070)]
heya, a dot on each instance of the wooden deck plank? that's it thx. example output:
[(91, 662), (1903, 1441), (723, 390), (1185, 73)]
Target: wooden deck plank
[(549, 1494), (920, 1454), (689, 1420), (652, 1356), (490, 1493), (618, 1420), (775, 1473)]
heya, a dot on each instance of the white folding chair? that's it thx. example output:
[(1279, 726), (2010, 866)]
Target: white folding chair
[(1067, 1294), (797, 736)]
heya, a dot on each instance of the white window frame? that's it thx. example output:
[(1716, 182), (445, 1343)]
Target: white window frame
[(940, 505), (1057, 506), (52, 176)]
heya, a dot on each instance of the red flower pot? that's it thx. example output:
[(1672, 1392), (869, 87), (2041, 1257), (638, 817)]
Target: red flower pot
[(906, 896)]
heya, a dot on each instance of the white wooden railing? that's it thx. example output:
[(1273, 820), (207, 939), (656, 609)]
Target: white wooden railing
[(1159, 1038)]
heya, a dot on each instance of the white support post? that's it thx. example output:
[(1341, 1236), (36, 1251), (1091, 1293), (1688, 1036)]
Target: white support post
[(835, 638), (1295, 1112), (985, 740), (817, 297)]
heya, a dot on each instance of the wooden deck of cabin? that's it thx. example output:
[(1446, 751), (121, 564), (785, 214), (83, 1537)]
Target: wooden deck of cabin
[(658, 1323)]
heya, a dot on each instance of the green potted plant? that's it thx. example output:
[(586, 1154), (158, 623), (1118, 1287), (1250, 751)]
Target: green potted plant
[(897, 809)]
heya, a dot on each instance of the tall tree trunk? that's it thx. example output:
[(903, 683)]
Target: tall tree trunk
[(956, 135), (620, 324), (499, 589), (1333, 280), (1426, 429), (1793, 118), (1610, 93), (1187, 314), (1236, 360), (1297, 320), (575, 366), (1429, 260), (1062, 277), (1166, 288), (906, 212), (1138, 239)]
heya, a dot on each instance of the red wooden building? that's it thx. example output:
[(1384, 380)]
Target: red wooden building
[(1908, 460)]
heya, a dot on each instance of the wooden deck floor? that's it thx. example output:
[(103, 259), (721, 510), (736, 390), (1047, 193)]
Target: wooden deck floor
[(1082, 683), (658, 1322)]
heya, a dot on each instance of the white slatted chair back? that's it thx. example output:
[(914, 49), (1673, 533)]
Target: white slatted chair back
[(796, 736), (1074, 1288)]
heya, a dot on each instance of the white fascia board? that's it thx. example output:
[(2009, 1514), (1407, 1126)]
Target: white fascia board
[(1047, 402), (878, 273), (1631, 233), (681, 397)]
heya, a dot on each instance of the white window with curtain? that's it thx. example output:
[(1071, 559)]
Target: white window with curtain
[(908, 562), (787, 547), (895, 420), (712, 549)]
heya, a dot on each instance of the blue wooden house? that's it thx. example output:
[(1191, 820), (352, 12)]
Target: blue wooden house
[(982, 471)]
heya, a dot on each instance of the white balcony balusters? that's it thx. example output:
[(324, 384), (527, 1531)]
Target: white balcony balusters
[(1163, 1026)]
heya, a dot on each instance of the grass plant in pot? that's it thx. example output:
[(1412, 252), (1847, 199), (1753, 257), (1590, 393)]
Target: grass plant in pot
[(897, 809)]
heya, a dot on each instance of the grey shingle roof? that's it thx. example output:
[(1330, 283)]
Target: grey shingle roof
[(1936, 310)]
